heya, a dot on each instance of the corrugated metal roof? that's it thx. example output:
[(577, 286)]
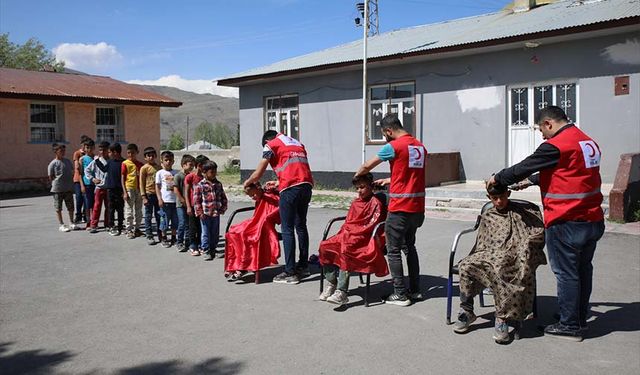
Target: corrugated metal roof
[(18, 83), (459, 32)]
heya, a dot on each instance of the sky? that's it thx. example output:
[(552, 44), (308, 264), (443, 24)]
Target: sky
[(190, 43)]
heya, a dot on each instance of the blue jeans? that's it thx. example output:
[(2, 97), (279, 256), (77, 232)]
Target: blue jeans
[(571, 246), (168, 217), (79, 201), (183, 226), (151, 209), (210, 233), (89, 196), (294, 204)]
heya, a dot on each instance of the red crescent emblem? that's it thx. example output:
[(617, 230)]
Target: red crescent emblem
[(593, 150), (419, 153)]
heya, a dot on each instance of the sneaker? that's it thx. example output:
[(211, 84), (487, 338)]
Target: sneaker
[(151, 240), (194, 252), (397, 299), (338, 297), (286, 278), (93, 230), (73, 227), (209, 256), (501, 332), (465, 318), (131, 235), (303, 272), (329, 289), (561, 331), (220, 254), (166, 243), (64, 228), (181, 248), (114, 232), (415, 296)]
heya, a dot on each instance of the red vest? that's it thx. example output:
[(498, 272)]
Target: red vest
[(289, 162), (571, 190), (406, 193)]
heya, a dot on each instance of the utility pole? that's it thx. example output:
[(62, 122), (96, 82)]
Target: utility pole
[(187, 133), (369, 11)]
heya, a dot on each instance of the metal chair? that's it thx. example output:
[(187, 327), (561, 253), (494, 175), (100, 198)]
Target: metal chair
[(453, 268)]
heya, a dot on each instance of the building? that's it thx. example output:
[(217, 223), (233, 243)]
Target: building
[(40, 108), (470, 85)]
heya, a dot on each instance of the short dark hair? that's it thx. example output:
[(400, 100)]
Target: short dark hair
[(149, 150), (268, 135), (366, 178), (167, 154), (551, 112), (115, 148), (201, 159), (89, 142), (391, 121), (209, 165), (57, 146), (103, 144), (186, 158), (497, 189), (84, 138), (132, 147)]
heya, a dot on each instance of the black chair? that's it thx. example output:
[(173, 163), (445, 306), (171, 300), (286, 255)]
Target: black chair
[(453, 268), (382, 196), (230, 222)]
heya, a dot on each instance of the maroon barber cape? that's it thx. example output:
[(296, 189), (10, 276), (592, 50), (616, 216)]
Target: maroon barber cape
[(352, 248)]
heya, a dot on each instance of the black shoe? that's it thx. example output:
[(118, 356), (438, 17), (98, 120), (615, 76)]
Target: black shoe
[(561, 331), (583, 323), (286, 278), (303, 272), (398, 300), (209, 256)]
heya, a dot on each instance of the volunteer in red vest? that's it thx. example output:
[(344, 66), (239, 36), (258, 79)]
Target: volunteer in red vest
[(406, 157), (288, 159), (569, 180)]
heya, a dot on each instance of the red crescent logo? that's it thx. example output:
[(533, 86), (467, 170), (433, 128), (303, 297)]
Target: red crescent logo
[(593, 150), (419, 153)]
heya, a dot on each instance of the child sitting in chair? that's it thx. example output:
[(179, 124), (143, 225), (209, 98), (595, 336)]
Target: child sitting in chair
[(505, 257), (352, 249), (253, 244)]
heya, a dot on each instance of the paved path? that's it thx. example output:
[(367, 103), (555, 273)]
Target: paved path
[(77, 303)]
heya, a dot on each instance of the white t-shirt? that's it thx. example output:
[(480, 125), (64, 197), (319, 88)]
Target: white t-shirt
[(164, 178)]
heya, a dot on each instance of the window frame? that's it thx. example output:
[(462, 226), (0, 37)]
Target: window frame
[(385, 104), (58, 126), (279, 112), (117, 128)]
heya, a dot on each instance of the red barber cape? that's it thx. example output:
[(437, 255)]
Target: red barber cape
[(352, 248), (253, 244)]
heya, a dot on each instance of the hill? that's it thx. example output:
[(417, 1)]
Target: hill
[(199, 107)]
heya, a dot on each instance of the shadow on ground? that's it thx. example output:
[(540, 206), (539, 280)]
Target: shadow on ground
[(37, 361), (215, 365)]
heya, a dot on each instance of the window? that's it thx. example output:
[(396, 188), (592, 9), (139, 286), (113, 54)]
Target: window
[(281, 115), (109, 124), (398, 98), (45, 123)]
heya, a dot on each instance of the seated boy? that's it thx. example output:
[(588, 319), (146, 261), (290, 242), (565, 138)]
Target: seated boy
[(253, 244), (352, 249), (505, 257)]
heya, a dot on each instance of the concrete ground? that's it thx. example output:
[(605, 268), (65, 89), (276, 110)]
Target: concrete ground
[(76, 303)]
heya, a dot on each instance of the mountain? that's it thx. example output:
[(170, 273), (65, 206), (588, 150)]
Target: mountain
[(198, 107)]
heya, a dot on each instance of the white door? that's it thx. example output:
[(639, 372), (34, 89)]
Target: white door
[(525, 102)]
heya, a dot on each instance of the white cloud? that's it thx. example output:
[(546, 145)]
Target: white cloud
[(80, 56), (199, 86)]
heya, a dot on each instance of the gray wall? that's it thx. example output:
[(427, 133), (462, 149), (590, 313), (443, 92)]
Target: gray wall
[(460, 104)]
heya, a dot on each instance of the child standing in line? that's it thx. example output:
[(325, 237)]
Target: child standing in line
[(167, 198), (77, 187), (95, 172), (148, 192), (114, 188), (190, 181), (87, 186), (131, 191), (209, 202), (187, 164), (60, 172)]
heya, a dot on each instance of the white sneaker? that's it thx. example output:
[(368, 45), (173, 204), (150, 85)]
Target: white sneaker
[(73, 227), (64, 228), (339, 298), (328, 291)]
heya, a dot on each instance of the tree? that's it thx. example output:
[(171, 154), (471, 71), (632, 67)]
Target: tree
[(217, 134), (176, 142), (32, 55)]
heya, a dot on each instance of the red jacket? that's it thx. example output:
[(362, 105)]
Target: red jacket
[(289, 162), (571, 190), (406, 193)]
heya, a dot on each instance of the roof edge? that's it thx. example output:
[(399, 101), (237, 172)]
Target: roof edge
[(633, 20), (84, 99)]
